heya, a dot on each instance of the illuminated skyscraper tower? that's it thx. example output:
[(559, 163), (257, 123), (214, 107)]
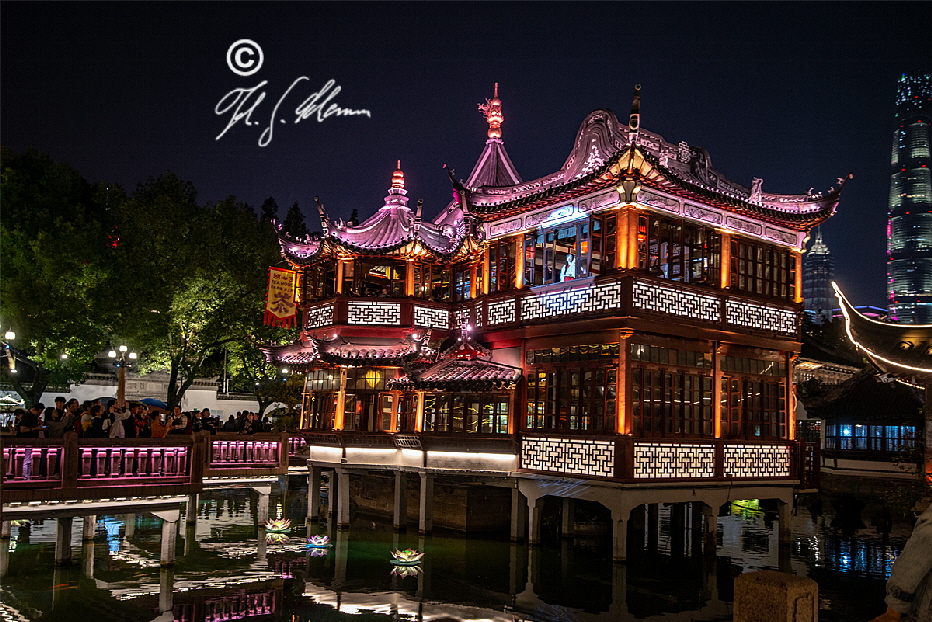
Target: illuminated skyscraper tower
[(909, 229), (818, 274)]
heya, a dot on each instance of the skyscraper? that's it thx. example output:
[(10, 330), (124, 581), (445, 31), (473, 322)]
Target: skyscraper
[(818, 274), (909, 229)]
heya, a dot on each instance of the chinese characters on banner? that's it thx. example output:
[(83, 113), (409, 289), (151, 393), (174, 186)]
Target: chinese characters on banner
[(280, 306)]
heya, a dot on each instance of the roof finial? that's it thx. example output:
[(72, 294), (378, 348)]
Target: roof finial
[(634, 122), (324, 221), (398, 178), (492, 109)]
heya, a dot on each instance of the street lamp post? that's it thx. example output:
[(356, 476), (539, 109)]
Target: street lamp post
[(121, 360)]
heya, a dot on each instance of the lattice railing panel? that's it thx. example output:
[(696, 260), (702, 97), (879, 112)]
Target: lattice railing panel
[(602, 297), (316, 317), (670, 460), (653, 297), (569, 455), (761, 316), (360, 312), (431, 317), (502, 312), (758, 461)]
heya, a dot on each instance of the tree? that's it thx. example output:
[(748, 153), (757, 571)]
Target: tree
[(57, 240), (196, 277), (269, 210), (248, 369), (294, 222)]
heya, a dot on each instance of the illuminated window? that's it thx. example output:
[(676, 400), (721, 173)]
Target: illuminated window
[(570, 251), (678, 250), (762, 269)]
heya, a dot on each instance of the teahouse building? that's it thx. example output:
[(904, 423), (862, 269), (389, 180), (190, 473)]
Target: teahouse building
[(632, 316), (634, 291)]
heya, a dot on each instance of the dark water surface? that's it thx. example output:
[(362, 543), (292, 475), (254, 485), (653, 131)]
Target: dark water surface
[(227, 570)]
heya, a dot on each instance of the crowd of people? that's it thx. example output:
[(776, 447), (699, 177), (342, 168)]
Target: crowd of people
[(94, 419)]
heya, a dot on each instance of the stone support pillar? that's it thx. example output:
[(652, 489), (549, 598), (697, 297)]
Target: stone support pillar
[(5, 530), (709, 529), (87, 558), (169, 535), (620, 535), (534, 512), (129, 525), (89, 530), (567, 517), (190, 510), (313, 493), (340, 553), (785, 518), (425, 522), (262, 507), (519, 507), (63, 541), (166, 589), (343, 501), (400, 505), (333, 487)]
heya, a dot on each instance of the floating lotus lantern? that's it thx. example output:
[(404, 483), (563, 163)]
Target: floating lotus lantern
[(317, 552), (405, 571), (276, 537), (278, 525), (318, 542), (407, 557)]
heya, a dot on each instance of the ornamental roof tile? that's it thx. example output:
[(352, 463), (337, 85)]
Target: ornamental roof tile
[(363, 351), (453, 374)]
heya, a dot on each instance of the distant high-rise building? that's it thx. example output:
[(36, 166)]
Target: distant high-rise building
[(909, 229), (818, 274)]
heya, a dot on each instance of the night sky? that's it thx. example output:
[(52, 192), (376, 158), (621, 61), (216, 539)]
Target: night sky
[(798, 94)]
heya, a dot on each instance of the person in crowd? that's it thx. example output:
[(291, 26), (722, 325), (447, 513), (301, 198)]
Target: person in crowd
[(57, 421), (87, 418), (118, 414), (100, 423), (60, 406), (250, 425), (197, 420), (142, 420), (179, 421), (29, 425), (160, 427), (909, 589), (230, 425)]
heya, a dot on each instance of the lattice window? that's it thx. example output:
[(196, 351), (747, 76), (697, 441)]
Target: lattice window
[(359, 312), (431, 317), (318, 316), (568, 455), (757, 461), (596, 298), (652, 297), (502, 312), (671, 460), (761, 316)]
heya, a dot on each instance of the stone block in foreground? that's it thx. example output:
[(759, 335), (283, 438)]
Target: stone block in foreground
[(771, 596)]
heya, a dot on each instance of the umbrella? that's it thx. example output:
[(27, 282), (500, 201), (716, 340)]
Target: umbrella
[(151, 401)]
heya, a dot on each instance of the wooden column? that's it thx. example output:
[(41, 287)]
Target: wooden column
[(473, 284), (798, 257), (409, 278), (627, 238), (486, 271), (716, 389), (519, 261), (790, 399), (623, 408), (338, 415), (339, 283), (419, 412), (725, 272)]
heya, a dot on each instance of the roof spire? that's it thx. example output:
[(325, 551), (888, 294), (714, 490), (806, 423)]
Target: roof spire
[(398, 178), (492, 110), (634, 122), (324, 221)]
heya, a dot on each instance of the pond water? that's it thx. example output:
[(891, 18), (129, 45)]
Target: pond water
[(228, 568)]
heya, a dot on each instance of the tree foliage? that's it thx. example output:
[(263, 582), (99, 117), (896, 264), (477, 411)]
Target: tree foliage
[(294, 222), (57, 233)]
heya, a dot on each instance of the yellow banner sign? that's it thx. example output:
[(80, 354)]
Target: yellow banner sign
[(280, 306)]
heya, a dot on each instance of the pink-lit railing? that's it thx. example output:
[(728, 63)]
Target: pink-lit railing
[(31, 463), (297, 445), (133, 463), (245, 453)]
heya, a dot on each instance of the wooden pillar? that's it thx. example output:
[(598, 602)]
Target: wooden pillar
[(400, 505), (790, 396), (343, 501), (626, 238), (519, 261), (725, 271), (717, 389), (63, 541), (419, 412), (89, 531), (486, 271), (426, 510), (797, 258), (313, 493), (409, 278), (340, 270), (473, 284), (333, 491), (338, 414), (624, 423), (87, 558), (262, 513)]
